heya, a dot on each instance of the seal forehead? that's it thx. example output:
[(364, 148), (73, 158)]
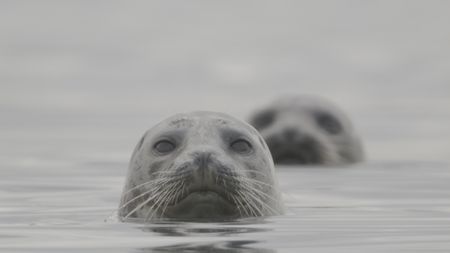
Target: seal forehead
[(222, 122), (182, 122), (217, 117), (308, 104), (214, 119), (302, 103)]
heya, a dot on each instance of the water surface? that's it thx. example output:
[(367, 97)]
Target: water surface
[(82, 80)]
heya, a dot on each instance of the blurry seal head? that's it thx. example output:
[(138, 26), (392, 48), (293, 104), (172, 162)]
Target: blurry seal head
[(308, 130), (200, 165)]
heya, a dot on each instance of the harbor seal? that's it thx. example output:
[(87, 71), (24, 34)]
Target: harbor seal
[(200, 165), (308, 130)]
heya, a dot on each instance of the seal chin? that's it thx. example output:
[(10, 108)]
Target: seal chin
[(203, 204)]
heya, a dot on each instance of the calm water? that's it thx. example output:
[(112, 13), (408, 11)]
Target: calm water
[(81, 81), (388, 207)]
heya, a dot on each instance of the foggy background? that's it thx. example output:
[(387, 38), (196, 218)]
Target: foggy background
[(102, 72)]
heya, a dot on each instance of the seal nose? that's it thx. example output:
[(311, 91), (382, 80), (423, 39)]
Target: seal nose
[(203, 170), (202, 159), (297, 136), (290, 133)]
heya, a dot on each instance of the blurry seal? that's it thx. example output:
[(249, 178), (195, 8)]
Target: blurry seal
[(308, 130), (200, 165)]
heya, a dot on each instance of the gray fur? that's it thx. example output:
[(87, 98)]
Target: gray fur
[(308, 130), (202, 177)]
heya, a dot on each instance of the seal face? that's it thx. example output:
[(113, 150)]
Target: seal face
[(200, 165), (308, 130)]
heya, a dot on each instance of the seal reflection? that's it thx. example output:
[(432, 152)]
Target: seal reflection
[(214, 232), (222, 247)]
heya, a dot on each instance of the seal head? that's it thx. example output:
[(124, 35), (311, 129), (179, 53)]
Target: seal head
[(308, 130), (200, 165)]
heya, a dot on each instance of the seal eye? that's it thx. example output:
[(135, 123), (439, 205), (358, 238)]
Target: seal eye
[(263, 119), (328, 123), (241, 146), (164, 146)]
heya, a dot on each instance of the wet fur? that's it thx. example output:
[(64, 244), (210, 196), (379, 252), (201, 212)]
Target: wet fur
[(245, 185)]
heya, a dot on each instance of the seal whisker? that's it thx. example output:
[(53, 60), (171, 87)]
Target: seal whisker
[(157, 185), (253, 189), (254, 194), (241, 198), (139, 206), (147, 183), (152, 210), (135, 198), (256, 172), (262, 204), (170, 173), (159, 201), (251, 204), (181, 190), (137, 186), (257, 182), (240, 206), (157, 188), (247, 190), (173, 192)]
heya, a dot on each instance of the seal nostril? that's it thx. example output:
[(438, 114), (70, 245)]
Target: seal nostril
[(202, 159)]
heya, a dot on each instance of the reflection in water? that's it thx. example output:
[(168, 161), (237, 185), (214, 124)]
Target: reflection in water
[(220, 247), (210, 230), (184, 229)]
